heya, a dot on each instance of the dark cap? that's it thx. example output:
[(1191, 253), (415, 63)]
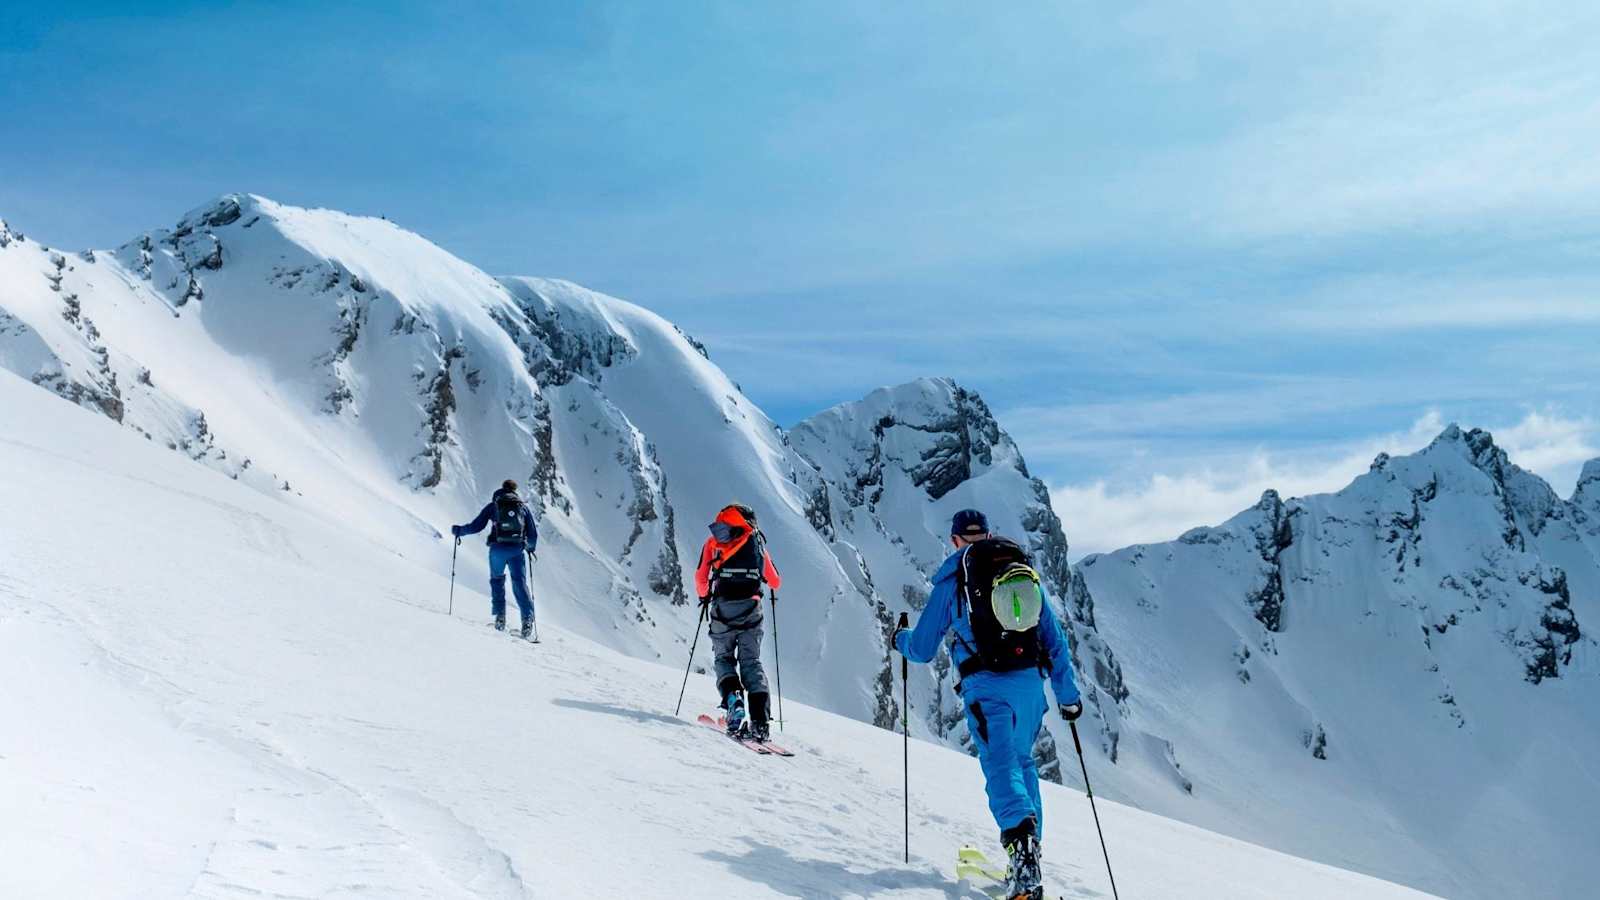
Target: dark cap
[(969, 522)]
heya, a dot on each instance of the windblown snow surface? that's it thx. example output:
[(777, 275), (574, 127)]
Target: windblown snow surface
[(1398, 679), (212, 693)]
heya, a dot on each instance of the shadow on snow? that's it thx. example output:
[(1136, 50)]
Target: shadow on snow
[(810, 878), (637, 715)]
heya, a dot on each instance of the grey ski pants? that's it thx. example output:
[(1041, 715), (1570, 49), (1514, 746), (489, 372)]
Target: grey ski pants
[(739, 653)]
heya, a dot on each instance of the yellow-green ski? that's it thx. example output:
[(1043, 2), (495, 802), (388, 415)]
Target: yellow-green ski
[(972, 864)]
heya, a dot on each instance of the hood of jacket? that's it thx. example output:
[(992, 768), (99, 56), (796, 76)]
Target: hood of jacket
[(739, 527)]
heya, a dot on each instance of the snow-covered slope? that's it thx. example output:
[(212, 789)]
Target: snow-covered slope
[(234, 698), (362, 373), (1408, 658)]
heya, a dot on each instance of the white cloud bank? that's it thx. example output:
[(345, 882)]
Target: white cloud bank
[(1100, 517)]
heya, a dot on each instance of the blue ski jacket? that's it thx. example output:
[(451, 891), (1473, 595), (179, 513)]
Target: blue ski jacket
[(919, 644), (484, 518)]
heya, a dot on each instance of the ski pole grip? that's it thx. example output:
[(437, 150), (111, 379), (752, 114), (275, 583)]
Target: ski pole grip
[(1075, 744)]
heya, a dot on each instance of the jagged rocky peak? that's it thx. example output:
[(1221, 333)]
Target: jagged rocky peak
[(1588, 490), (7, 235), (1462, 461), (937, 432), (1478, 448)]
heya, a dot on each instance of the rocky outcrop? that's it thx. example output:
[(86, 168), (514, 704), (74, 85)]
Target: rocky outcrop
[(1273, 534), (1549, 646), (1586, 497), (438, 403)]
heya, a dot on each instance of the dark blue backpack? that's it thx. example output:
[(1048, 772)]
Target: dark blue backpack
[(509, 521)]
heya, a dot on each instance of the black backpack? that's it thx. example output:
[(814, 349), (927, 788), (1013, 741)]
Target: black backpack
[(998, 591), (739, 576), (509, 526)]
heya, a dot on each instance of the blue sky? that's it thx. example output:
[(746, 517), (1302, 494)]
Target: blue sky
[(1185, 250)]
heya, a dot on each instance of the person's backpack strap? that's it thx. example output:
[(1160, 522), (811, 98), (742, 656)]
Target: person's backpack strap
[(962, 604)]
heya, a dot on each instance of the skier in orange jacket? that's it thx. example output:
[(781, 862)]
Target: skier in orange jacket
[(733, 565)]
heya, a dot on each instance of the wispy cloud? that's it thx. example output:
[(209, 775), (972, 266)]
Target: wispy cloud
[(1101, 515), (1417, 302), (1553, 446)]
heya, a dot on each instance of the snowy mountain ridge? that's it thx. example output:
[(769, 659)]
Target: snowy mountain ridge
[(358, 373), (1411, 652)]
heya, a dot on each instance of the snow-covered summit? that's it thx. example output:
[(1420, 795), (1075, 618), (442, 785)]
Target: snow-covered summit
[(1380, 653)]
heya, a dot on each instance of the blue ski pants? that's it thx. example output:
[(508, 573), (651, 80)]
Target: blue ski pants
[(1005, 711), (513, 558)]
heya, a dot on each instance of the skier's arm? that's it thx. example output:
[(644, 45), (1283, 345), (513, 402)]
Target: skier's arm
[(1054, 639), (770, 572), (530, 529), (478, 524), (702, 575), (922, 642)]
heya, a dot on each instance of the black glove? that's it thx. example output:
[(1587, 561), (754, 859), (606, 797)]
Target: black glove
[(705, 600), (455, 530), (1071, 711)]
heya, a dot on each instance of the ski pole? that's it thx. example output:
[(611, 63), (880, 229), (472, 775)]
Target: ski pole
[(453, 577), (1079, 747), (703, 608), (777, 659), (533, 608), (905, 731)]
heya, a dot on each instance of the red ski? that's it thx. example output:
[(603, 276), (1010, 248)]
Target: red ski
[(766, 747), (722, 729)]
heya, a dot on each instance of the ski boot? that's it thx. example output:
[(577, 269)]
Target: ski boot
[(1024, 880), (735, 706), (500, 622), (527, 628), (759, 728)]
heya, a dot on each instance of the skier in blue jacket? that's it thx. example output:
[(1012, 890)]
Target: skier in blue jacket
[(1005, 702), (512, 534)]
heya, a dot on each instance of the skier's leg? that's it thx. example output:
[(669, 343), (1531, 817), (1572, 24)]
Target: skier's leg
[(754, 676), (725, 650), (724, 655), (497, 582), (519, 585), (1030, 718), (993, 726), (751, 671)]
